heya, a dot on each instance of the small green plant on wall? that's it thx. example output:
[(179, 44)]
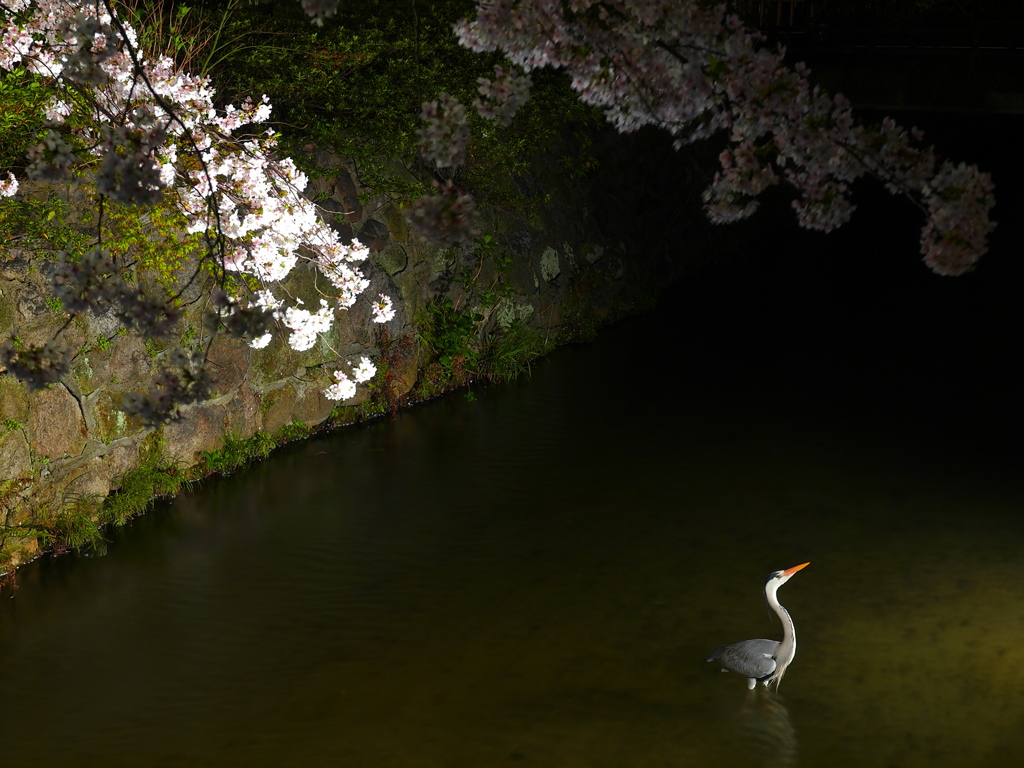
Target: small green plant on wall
[(296, 430), (74, 528), (451, 335), (155, 241), (510, 352), (238, 452), (59, 527), (154, 476)]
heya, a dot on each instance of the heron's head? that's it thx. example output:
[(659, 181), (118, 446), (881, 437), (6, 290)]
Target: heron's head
[(781, 577)]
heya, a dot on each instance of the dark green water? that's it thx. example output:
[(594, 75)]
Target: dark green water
[(535, 578)]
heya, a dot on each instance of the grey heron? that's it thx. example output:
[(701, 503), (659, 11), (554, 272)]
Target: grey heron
[(763, 661)]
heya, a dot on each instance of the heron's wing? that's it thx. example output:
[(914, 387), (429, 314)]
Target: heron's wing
[(750, 658)]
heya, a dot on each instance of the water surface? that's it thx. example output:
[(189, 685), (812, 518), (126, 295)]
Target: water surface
[(536, 577)]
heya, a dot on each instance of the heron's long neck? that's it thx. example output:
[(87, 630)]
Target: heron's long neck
[(787, 648)]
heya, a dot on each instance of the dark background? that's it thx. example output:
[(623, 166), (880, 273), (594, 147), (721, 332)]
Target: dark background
[(854, 325)]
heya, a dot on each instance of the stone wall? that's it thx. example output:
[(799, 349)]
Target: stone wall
[(570, 272)]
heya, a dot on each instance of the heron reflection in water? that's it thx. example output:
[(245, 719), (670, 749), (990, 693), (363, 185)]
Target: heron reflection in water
[(763, 661), (764, 731)]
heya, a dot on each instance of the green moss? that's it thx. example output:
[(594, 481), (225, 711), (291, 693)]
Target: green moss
[(83, 372), (297, 430), (397, 224), (6, 312), (111, 422), (274, 362), (154, 347), (14, 400), (236, 453)]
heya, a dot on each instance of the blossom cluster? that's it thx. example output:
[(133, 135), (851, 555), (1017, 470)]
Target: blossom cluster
[(52, 160), (89, 41), (687, 67), (306, 326), (151, 132), (503, 96), (958, 200), (128, 171), (239, 320), (319, 10), (345, 387), (444, 134), (383, 310)]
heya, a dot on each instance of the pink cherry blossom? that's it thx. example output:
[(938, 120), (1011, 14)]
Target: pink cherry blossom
[(695, 71)]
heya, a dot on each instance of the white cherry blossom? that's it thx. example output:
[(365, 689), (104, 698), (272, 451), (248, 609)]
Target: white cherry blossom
[(343, 389), (224, 182), (383, 310), (365, 371)]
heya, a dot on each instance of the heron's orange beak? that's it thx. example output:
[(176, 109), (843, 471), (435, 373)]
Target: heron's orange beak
[(794, 569)]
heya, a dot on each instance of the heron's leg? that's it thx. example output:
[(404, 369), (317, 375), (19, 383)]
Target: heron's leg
[(751, 683)]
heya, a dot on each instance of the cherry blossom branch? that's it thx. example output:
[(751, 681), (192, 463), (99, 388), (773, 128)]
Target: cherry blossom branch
[(244, 200), (697, 72)]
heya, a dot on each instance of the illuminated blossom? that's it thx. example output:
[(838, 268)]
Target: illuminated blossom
[(306, 325), (57, 110), (343, 389), (382, 309), (228, 184), (365, 371), (8, 186), (261, 341)]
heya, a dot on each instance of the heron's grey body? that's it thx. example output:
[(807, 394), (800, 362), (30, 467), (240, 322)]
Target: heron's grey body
[(763, 661), (756, 660)]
